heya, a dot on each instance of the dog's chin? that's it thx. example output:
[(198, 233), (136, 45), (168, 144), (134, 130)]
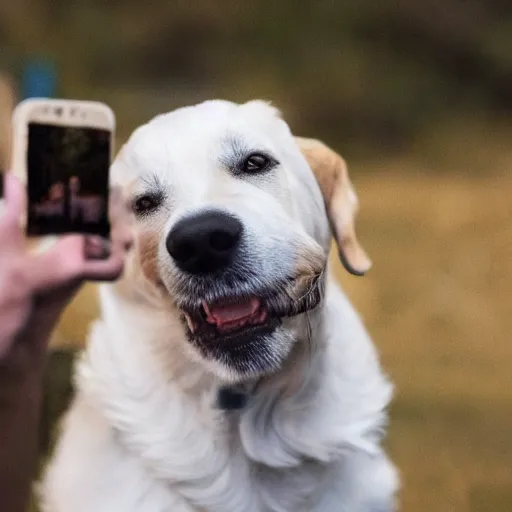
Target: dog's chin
[(248, 354)]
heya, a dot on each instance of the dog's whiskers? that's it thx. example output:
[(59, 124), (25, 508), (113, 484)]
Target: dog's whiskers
[(314, 286)]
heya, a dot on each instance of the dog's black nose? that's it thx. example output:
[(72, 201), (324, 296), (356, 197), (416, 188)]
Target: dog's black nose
[(205, 242)]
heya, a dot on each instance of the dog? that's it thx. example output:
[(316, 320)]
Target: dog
[(228, 371)]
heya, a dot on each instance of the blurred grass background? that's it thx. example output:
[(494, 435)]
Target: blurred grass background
[(417, 95)]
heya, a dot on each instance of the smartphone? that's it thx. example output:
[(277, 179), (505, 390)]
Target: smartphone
[(62, 150)]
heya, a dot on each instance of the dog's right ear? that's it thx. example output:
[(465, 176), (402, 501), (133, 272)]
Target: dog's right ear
[(341, 202)]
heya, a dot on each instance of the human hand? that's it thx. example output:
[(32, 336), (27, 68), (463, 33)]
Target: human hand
[(35, 288)]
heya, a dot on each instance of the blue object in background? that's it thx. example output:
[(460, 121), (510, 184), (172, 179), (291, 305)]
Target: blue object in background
[(39, 80)]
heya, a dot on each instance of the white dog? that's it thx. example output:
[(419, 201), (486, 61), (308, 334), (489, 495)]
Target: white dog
[(228, 372)]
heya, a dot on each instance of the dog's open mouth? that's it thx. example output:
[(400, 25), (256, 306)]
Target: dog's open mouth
[(239, 319), (229, 317)]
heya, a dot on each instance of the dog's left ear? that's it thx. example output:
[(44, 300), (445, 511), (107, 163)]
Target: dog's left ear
[(340, 201)]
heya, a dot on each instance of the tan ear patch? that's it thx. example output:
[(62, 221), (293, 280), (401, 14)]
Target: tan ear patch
[(340, 199)]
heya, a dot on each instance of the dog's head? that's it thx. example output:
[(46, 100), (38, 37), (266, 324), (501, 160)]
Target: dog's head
[(232, 230)]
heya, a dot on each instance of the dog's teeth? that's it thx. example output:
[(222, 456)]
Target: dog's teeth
[(209, 317), (205, 307), (190, 323)]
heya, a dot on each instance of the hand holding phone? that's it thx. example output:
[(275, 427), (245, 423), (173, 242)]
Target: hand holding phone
[(62, 152)]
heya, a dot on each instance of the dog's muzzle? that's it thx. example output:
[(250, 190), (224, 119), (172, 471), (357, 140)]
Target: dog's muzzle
[(227, 308)]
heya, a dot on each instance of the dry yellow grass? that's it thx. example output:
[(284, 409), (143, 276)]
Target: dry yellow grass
[(438, 305)]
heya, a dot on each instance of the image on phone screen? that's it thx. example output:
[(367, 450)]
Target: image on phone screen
[(67, 180)]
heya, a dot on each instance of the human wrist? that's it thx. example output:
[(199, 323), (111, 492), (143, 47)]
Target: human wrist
[(21, 374), (20, 407)]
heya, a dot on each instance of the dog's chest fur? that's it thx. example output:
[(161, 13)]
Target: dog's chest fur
[(153, 420), (217, 460)]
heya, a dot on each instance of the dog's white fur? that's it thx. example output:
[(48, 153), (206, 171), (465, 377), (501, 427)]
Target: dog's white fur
[(143, 433)]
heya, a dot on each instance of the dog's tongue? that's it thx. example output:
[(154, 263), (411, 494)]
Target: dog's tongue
[(231, 313)]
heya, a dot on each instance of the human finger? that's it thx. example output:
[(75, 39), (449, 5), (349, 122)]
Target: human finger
[(14, 202)]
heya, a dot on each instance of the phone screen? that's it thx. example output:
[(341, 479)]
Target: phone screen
[(67, 180)]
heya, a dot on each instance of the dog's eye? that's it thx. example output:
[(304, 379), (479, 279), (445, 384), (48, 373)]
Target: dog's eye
[(256, 163), (146, 204)]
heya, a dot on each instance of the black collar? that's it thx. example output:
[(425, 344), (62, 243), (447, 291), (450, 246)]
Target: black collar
[(232, 398), (236, 396)]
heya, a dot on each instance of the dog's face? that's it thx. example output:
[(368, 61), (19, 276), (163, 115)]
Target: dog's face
[(232, 227)]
